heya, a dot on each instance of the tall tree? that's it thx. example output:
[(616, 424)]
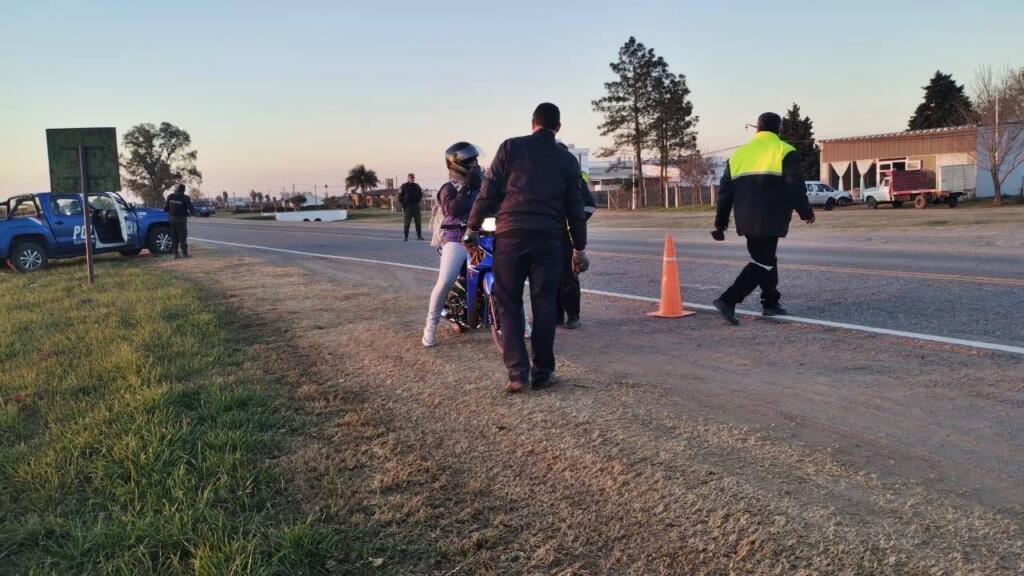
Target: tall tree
[(359, 178), (158, 159), (945, 104), (627, 106), (672, 123), (800, 133), (999, 114)]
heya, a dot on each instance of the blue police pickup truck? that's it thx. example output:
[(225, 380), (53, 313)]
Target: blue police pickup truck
[(35, 228)]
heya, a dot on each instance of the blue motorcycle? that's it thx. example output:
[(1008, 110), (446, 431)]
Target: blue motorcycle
[(471, 303)]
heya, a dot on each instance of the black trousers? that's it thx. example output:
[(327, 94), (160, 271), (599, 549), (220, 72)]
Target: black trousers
[(179, 235), (516, 260), (569, 289), (412, 212), (763, 271)]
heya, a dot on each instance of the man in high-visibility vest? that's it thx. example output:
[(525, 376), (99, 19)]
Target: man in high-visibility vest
[(763, 183)]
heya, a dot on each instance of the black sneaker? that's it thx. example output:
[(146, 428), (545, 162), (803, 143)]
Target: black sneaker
[(543, 382), (775, 311), (177, 256), (406, 239), (728, 311), (572, 323)]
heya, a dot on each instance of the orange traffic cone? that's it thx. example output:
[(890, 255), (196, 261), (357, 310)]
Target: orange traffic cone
[(671, 296)]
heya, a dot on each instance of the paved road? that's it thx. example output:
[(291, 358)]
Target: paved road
[(975, 295)]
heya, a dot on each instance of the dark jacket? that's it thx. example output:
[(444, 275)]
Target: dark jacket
[(178, 207), (455, 202), (533, 187), (764, 203), (410, 194)]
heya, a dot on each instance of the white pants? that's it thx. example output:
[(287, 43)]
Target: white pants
[(453, 256)]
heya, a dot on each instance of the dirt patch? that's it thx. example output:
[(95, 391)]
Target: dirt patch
[(601, 475)]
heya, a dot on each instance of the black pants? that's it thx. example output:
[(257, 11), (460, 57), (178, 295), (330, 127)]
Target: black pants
[(179, 235), (515, 260), (412, 212), (569, 289), (763, 272)]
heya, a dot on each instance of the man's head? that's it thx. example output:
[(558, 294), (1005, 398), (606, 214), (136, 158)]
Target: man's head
[(769, 122), (412, 177), (179, 189), (547, 116)]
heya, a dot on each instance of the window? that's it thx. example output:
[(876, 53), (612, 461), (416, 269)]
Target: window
[(24, 208), (101, 203), (66, 206)]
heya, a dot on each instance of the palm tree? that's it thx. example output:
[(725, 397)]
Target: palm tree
[(359, 178)]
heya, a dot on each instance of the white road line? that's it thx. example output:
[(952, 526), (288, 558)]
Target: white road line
[(798, 319)]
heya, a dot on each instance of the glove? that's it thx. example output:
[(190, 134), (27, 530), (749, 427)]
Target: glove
[(580, 262), (718, 235), (474, 178), (471, 239)]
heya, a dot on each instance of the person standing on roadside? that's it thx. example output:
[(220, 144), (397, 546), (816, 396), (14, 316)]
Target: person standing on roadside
[(567, 312), (409, 196), (762, 181), (533, 188), (179, 207)]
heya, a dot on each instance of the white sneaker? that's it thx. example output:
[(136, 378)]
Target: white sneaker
[(429, 334)]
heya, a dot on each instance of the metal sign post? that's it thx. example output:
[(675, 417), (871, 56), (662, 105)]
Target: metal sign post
[(84, 161), (86, 215)]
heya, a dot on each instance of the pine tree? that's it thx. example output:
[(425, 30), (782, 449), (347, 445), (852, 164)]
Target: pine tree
[(945, 104), (672, 123), (800, 133), (627, 106)]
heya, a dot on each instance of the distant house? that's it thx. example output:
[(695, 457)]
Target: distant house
[(952, 154)]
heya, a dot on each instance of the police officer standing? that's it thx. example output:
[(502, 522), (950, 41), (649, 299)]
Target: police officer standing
[(179, 207), (533, 187), (763, 183), (409, 196), (567, 313)]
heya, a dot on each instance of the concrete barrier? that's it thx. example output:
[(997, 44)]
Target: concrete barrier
[(313, 216)]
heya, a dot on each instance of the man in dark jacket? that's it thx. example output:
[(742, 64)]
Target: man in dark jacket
[(533, 187), (567, 313), (409, 196), (179, 207), (763, 183)]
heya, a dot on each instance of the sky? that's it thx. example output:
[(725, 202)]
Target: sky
[(282, 93)]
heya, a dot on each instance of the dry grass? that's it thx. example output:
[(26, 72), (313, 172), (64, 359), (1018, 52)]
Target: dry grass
[(420, 457)]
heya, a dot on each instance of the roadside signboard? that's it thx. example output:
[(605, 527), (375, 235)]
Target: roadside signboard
[(83, 160)]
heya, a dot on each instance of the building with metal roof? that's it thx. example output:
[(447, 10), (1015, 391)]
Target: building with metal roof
[(951, 154)]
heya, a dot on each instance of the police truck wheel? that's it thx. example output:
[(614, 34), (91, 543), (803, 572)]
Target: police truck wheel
[(830, 204), (29, 257), (921, 201), (872, 203), (160, 242)]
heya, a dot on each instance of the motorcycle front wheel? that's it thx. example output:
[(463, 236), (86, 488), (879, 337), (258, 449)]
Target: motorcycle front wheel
[(495, 322)]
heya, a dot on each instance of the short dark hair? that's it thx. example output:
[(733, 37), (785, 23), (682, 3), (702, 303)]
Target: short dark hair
[(179, 188), (547, 115), (769, 122)]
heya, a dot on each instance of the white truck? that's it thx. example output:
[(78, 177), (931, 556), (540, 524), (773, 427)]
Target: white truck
[(821, 194)]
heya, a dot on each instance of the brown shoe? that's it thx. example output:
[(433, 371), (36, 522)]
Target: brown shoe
[(514, 387)]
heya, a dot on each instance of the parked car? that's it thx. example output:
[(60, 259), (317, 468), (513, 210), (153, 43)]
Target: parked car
[(39, 227), (205, 210), (917, 186), (821, 194)]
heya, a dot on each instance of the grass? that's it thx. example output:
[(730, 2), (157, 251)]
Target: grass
[(136, 435)]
